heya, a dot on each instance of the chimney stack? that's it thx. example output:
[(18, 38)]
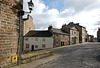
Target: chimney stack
[(50, 27)]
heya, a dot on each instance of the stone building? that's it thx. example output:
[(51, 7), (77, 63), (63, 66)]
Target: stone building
[(9, 30), (82, 32), (98, 35), (90, 38), (60, 38), (73, 33), (36, 40), (28, 24)]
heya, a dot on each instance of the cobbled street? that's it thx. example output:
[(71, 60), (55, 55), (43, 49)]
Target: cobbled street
[(79, 56)]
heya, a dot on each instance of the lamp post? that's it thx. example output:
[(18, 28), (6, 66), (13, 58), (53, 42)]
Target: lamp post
[(20, 44)]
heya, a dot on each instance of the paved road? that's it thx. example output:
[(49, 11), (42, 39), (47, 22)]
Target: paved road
[(80, 56)]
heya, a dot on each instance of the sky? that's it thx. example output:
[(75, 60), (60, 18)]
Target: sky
[(59, 12)]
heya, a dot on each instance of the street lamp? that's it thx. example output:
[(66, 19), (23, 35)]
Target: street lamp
[(20, 44), (30, 5)]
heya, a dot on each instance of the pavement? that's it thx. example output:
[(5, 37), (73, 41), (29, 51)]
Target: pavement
[(39, 63)]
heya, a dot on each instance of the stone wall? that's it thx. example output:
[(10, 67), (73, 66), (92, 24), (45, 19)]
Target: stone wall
[(29, 57), (56, 40), (8, 30), (62, 40), (73, 33), (74, 36), (28, 25)]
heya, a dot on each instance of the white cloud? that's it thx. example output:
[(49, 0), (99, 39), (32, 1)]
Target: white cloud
[(52, 12), (84, 12)]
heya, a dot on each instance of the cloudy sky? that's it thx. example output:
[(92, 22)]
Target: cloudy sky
[(59, 12)]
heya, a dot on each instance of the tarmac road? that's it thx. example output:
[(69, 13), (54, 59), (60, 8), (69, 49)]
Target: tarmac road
[(79, 56)]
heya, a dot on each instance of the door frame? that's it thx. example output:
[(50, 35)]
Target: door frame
[(32, 49)]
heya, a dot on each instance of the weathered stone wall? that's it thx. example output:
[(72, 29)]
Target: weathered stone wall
[(8, 30), (28, 25), (65, 39), (61, 38), (74, 36), (35, 56), (56, 39), (80, 32)]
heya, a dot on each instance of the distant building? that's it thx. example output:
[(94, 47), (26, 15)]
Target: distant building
[(28, 24), (60, 38), (98, 35), (36, 40), (83, 36), (73, 33), (82, 31), (90, 38), (95, 39)]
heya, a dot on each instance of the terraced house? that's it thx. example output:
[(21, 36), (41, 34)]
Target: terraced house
[(83, 36), (73, 33), (9, 30), (60, 38), (36, 40)]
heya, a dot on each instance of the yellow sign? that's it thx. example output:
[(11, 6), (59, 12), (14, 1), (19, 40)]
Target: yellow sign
[(14, 58)]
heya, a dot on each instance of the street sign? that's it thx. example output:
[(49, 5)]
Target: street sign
[(14, 58)]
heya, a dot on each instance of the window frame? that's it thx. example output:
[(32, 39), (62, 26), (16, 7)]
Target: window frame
[(57, 43), (36, 39), (36, 46), (43, 45), (57, 36), (26, 46), (43, 39)]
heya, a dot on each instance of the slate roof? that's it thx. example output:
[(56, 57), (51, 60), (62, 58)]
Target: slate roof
[(34, 33), (58, 31)]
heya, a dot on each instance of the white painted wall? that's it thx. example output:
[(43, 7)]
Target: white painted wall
[(32, 41)]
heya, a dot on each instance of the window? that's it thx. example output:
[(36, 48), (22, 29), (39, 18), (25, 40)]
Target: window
[(75, 33), (56, 43), (26, 39), (36, 46), (56, 36), (43, 45), (36, 39), (72, 32), (27, 45), (43, 39)]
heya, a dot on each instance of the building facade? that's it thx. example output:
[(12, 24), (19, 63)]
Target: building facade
[(73, 33), (60, 38), (82, 33), (83, 36), (36, 40), (90, 38), (9, 30), (98, 35), (28, 24)]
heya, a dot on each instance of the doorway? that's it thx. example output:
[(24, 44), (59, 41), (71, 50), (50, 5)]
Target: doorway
[(32, 47), (62, 43)]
